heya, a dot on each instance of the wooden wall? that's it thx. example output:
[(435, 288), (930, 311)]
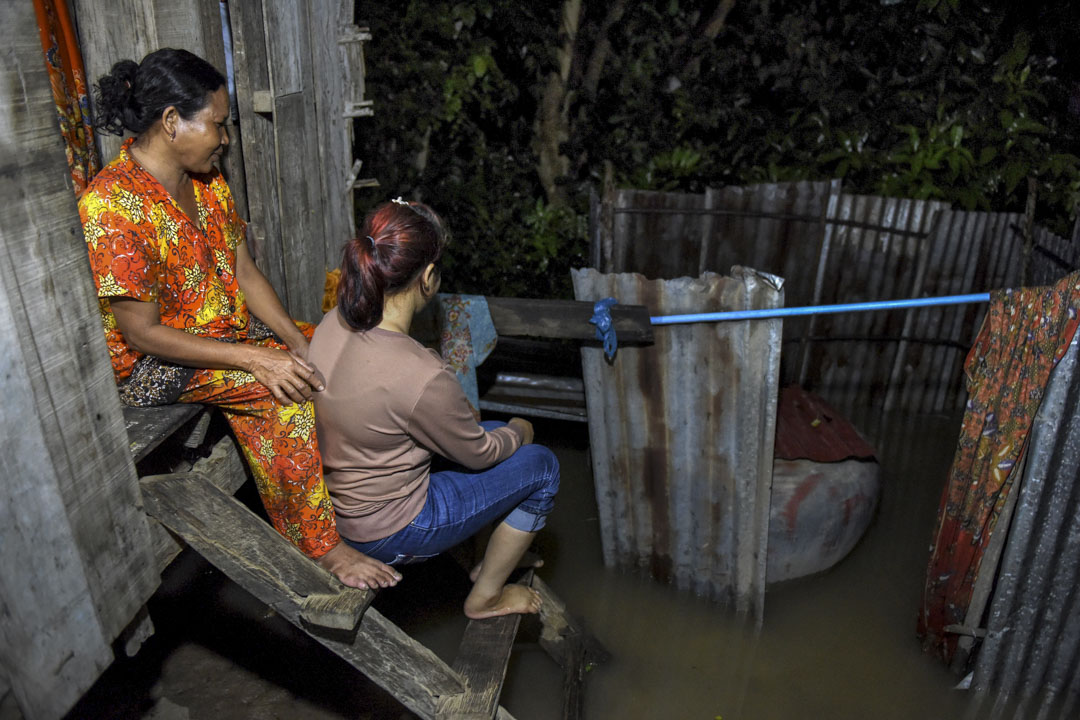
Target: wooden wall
[(75, 565)]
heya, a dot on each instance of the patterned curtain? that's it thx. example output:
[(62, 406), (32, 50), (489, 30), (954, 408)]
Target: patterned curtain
[(1025, 334), (63, 59)]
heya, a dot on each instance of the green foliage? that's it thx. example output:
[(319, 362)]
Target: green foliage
[(937, 99)]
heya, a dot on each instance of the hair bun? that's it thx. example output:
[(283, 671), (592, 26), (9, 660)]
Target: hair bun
[(115, 95)]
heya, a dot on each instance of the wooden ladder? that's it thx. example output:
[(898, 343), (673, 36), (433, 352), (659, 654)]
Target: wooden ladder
[(250, 552)]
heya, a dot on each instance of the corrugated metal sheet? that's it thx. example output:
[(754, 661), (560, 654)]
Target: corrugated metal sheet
[(1029, 663), (966, 252), (882, 257), (1053, 257), (832, 247), (681, 434)]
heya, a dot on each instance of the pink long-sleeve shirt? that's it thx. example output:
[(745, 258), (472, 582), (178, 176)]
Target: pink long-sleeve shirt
[(389, 403)]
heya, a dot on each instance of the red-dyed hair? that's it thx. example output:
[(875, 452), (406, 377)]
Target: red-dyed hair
[(397, 241)]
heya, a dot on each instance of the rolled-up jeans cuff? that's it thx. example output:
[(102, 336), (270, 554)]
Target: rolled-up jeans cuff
[(524, 520)]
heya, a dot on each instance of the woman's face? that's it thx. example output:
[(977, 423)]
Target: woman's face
[(201, 141)]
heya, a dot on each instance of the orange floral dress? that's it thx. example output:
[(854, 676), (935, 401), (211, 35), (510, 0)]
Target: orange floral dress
[(143, 246)]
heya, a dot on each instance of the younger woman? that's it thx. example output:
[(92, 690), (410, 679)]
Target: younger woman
[(389, 403)]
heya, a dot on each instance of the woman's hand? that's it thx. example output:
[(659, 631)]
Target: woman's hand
[(525, 427), (288, 377)]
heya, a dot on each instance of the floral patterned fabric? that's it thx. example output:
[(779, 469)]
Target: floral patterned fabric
[(468, 337), (1025, 333), (281, 449), (143, 246), (63, 60)]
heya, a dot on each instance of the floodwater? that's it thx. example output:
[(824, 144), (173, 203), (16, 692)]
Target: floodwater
[(838, 645)]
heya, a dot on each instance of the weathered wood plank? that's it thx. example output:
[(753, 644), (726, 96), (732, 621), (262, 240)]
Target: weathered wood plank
[(482, 659), (253, 555), (287, 49), (74, 567), (235, 540), (148, 427), (252, 76), (568, 319), (52, 648), (557, 624), (326, 23), (226, 470), (554, 319), (299, 192), (110, 32)]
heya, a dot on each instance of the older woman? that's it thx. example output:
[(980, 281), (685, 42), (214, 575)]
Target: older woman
[(188, 316)]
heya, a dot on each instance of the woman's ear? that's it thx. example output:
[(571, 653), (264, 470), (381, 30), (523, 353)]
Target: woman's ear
[(170, 119), (429, 281)]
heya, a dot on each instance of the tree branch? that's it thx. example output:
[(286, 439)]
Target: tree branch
[(600, 51), (552, 123)]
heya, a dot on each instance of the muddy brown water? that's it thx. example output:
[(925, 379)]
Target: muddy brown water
[(837, 645)]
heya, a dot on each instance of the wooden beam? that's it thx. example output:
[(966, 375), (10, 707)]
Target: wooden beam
[(552, 319), (268, 566), (482, 659), (148, 427), (566, 319)]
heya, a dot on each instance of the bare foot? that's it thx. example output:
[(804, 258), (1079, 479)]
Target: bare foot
[(355, 569), (512, 599), (529, 559)]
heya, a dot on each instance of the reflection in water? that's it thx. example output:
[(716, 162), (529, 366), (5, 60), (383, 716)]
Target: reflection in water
[(837, 645)]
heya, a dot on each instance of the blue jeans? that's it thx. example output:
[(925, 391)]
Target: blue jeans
[(520, 491)]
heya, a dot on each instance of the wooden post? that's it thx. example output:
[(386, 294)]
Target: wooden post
[(329, 48), (76, 565)]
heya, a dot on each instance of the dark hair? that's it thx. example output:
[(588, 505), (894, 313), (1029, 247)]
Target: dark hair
[(397, 241), (133, 96)]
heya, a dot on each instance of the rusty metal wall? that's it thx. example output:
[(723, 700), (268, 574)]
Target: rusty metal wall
[(873, 248), (681, 434), (1029, 662), (832, 247)]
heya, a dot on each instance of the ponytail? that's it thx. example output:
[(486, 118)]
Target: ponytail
[(400, 240), (360, 292)]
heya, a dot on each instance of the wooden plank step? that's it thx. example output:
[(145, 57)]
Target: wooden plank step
[(147, 427), (268, 566), (247, 549), (482, 659)]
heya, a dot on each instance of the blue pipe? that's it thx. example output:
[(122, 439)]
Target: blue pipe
[(819, 309)]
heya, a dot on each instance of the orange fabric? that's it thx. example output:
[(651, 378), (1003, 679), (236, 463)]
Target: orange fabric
[(63, 59), (281, 449), (1025, 333), (143, 246)]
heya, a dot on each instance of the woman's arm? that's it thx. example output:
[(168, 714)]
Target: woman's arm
[(264, 304), (290, 380), (443, 421)]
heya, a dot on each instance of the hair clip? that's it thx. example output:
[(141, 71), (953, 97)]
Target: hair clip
[(399, 201)]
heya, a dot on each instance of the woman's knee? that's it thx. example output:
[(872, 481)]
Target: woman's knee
[(542, 463)]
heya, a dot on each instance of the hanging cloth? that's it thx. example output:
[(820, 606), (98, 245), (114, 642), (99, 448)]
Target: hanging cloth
[(63, 59), (1025, 333)]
